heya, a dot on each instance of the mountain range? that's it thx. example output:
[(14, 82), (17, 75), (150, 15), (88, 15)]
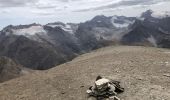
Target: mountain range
[(41, 47)]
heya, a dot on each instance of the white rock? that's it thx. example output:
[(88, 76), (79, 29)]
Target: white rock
[(101, 81)]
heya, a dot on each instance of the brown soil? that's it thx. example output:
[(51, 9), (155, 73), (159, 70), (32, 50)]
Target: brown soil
[(144, 72)]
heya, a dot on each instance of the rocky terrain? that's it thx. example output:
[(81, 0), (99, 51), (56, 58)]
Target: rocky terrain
[(144, 72), (37, 47)]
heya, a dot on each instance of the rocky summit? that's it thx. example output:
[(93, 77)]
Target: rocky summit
[(144, 74)]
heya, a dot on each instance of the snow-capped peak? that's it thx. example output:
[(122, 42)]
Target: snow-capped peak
[(32, 30), (56, 24), (64, 27), (120, 22), (155, 14)]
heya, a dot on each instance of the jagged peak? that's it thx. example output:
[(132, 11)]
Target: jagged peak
[(56, 23), (30, 29), (100, 18), (154, 14), (147, 14), (10, 27)]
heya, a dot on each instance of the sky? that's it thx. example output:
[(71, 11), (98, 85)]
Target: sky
[(17, 12)]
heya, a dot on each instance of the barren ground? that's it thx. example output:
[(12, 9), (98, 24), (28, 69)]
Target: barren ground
[(144, 72)]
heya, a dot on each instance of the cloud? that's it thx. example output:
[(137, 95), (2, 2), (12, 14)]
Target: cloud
[(5, 11), (44, 5), (63, 0), (27, 11), (43, 13), (16, 3), (124, 3)]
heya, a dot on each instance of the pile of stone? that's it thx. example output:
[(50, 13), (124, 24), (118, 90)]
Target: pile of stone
[(105, 88)]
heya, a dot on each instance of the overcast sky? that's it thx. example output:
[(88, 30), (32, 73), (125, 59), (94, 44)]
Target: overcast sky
[(44, 11)]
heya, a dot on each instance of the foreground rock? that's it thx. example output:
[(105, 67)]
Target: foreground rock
[(140, 70)]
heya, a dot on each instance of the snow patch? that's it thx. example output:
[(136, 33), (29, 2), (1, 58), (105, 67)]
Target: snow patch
[(152, 40), (29, 31), (121, 25), (53, 26), (141, 18), (163, 31), (66, 28), (99, 21)]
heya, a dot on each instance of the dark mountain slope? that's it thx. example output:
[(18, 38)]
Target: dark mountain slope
[(42, 50), (149, 30), (9, 69)]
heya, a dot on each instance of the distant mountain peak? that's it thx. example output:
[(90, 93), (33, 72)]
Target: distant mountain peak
[(26, 30), (100, 18), (155, 14), (65, 27), (122, 21), (56, 24), (147, 14)]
